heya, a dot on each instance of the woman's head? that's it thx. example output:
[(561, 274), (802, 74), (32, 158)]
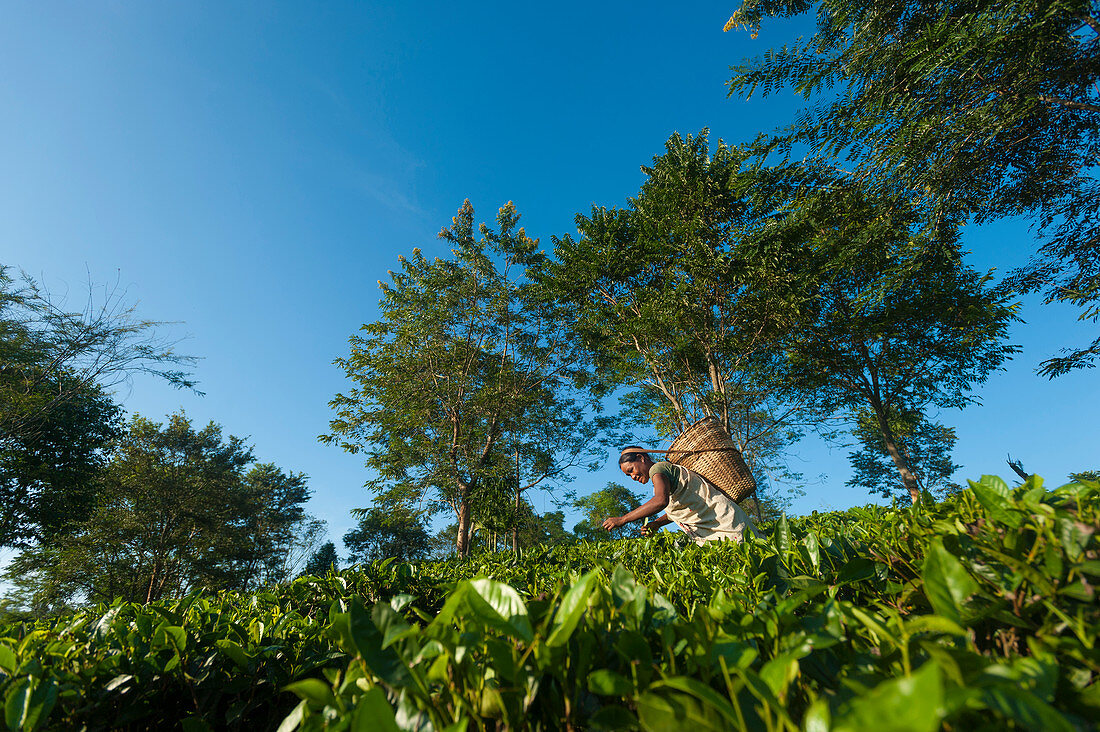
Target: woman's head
[(635, 463)]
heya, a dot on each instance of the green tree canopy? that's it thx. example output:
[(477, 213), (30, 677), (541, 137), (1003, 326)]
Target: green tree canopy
[(614, 500), (50, 473), (283, 533), (321, 561), (57, 368), (899, 322), (980, 109), (464, 380), (393, 531), (178, 510), (549, 529), (924, 444), (681, 295)]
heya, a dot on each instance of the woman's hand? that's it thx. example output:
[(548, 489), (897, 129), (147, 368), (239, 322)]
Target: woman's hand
[(652, 527), (613, 523)]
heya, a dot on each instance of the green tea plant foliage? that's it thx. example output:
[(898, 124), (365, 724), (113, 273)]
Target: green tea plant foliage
[(978, 612)]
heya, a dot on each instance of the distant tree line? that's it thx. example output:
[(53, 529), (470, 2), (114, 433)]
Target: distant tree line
[(811, 279), (100, 507), (402, 534)]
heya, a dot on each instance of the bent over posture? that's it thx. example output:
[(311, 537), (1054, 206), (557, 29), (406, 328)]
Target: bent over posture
[(700, 509)]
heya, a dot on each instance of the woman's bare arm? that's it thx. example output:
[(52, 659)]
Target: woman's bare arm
[(661, 492)]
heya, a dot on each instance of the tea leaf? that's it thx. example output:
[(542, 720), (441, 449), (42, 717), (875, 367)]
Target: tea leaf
[(501, 607), (373, 713), (674, 712), (571, 610), (946, 582), (609, 683), (314, 691), (913, 704)]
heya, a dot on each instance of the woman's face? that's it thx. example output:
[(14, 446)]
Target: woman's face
[(637, 470)]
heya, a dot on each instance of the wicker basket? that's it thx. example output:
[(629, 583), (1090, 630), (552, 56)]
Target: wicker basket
[(706, 448)]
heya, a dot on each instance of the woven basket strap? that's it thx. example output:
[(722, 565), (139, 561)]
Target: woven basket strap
[(700, 449)]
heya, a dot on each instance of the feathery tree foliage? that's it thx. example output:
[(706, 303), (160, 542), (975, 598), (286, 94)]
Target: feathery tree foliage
[(463, 376), (925, 445), (50, 355), (176, 511), (982, 109), (898, 322), (56, 413), (679, 297)]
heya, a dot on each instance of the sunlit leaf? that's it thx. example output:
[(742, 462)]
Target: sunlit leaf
[(234, 652), (913, 704), (313, 691), (572, 608), (609, 683), (946, 582), (501, 607)]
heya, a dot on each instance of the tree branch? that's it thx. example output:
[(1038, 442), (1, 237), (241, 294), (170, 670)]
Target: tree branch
[(1091, 22), (1017, 467), (1069, 104)]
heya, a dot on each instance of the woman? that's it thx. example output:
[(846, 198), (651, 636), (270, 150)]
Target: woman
[(701, 510)]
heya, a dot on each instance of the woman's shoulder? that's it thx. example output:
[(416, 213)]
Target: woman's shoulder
[(662, 467)]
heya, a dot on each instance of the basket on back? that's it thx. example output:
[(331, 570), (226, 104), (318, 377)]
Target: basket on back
[(706, 448)]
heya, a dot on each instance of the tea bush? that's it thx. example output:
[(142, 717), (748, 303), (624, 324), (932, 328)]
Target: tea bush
[(976, 613)]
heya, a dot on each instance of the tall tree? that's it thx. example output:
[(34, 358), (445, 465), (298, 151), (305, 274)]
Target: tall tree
[(925, 445), (57, 368), (462, 370), (677, 297), (283, 533), (899, 321), (393, 531), (175, 513), (981, 109)]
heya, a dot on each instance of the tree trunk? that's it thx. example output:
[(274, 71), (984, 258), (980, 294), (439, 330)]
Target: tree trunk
[(515, 527), (462, 540), (152, 582), (907, 478), (759, 508), (515, 520)]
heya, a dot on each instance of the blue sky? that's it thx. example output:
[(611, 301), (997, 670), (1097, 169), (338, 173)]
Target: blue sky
[(252, 169)]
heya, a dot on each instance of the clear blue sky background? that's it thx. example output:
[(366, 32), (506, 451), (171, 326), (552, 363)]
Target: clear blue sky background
[(251, 169)]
